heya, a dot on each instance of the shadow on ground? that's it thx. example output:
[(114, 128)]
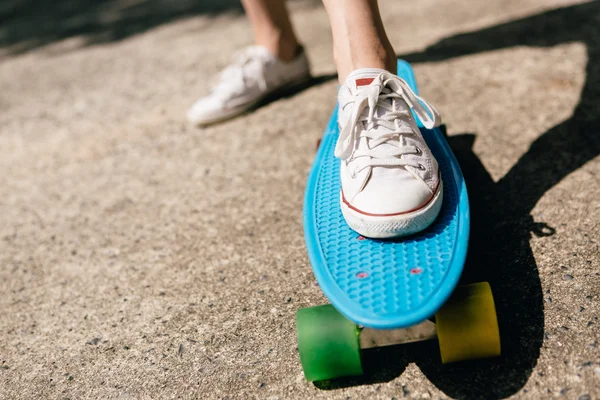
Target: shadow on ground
[(499, 250), (28, 24)]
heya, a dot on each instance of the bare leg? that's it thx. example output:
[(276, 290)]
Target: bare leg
[(272, 27), (359, 38)]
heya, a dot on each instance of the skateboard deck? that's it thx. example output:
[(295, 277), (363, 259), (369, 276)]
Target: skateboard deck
[(385, 284)]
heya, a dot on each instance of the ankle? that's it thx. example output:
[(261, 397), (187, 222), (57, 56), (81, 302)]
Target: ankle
[(348, 60), (284, 47)]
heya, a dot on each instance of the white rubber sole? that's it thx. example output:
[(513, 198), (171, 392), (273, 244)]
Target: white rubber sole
[(225, 115), (388, 227)]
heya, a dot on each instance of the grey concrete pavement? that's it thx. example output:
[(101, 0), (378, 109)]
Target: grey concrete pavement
[(144, 258)]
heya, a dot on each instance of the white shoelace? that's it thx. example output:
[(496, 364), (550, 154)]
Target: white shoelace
[(235, 76), (384, 88)]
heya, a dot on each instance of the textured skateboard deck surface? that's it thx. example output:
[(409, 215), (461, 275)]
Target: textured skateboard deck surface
[(385, 284)]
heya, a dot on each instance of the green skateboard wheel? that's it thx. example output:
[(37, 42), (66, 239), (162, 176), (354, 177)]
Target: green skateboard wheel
[(328, 343)]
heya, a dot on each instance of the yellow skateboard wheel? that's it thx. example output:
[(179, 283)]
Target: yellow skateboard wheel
[(467, 326)]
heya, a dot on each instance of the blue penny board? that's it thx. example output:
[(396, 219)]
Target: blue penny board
[(385, 284)]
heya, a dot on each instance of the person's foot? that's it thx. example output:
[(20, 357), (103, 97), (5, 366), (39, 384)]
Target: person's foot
[(390, 180), (254, 74)]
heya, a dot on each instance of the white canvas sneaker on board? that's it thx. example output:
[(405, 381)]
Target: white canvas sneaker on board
[(391, 184), (254, 74)]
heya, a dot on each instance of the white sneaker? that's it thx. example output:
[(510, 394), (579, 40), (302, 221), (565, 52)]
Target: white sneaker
[(254, 74), (390, 181)]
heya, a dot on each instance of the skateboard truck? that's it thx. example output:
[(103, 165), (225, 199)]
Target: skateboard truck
[(466, 327), (370, 338)]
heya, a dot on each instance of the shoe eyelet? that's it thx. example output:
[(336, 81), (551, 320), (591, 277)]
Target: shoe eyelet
[(419, 151), (421, 167)]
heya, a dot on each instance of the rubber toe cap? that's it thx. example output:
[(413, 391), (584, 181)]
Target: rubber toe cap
[(391, 200)]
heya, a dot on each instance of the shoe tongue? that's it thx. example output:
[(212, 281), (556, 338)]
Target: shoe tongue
[(356, 81), (259, 51), (362, 77)]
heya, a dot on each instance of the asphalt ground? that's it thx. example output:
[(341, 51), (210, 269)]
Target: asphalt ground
[(141, 257)]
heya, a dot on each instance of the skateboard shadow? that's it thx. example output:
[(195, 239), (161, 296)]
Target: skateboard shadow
[(501, 223), (379, 365)]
